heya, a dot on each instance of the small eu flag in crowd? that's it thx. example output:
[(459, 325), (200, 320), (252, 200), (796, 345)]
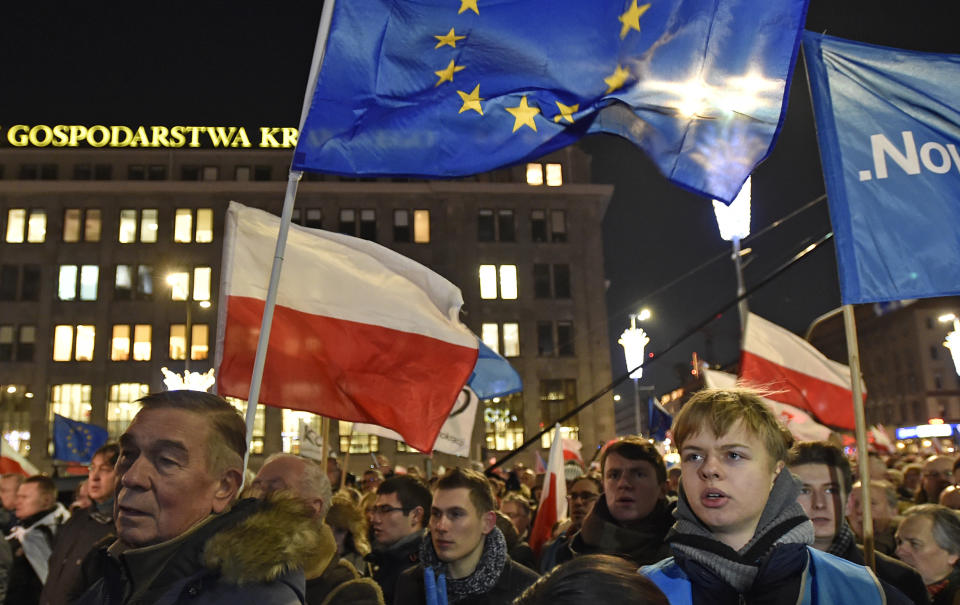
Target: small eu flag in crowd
[(75, 441)]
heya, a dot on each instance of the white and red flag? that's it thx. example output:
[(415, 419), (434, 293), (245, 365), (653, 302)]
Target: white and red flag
[(796, 373), (800, 424), (359, 333), (12, 462), (553, 498)]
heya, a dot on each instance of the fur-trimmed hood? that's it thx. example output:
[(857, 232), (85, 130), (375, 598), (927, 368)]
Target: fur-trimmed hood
[(280, 534)]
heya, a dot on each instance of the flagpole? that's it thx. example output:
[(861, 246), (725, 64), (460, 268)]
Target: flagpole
[(293, 181), (863, 462), (346, 458)]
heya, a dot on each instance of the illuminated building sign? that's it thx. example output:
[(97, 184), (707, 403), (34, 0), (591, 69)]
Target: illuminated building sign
[(61, 135), (925, 431)]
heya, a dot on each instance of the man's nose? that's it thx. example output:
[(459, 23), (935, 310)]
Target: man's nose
[(137, 475), (709, 468)]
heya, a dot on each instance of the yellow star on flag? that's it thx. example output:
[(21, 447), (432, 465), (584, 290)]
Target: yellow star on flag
[(631, 18), (471, 100), (468, 4), (614, 80), (523, 114), (446, 74), (449, 40), (566, 112)]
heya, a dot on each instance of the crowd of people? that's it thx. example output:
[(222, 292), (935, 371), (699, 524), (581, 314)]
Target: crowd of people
[(167, 515)]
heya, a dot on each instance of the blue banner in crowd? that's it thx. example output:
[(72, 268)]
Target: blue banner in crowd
[(445, 88), (75, 441), (660, 419), (889, 130)]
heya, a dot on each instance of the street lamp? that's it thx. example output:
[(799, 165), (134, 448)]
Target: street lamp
[(952, 341), (634, 340), (734, 224)]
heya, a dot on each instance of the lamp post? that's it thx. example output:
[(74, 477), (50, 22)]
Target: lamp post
[(734, 224), (952, 341), (634, 340)]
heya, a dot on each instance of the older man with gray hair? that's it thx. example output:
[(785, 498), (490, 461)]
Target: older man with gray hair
[(302, 476)]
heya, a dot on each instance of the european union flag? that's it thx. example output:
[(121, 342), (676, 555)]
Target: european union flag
[(445, 88), (888, 124), (75, 441), (493, 376), (660, 419)]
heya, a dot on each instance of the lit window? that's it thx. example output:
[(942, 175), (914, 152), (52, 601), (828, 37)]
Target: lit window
[(123, 283), (508, 282), (183, 226), (488, 282), (357, 443), (63, 343), (16, 223), (490, 334), (554, 175), (201, 283), (142, 335), (91, 230), (290, 433), (37, 226), (120, 343), (86, 335), (534, 174), (148, 226), (178, 341), (71, 224), (199, 341), (511, 340), (89, 275), (122, 405), (503, 422), (67, 283), (256, 442), (179, 283), (128, 226), (421, 226), (204, 225), (71, 401)]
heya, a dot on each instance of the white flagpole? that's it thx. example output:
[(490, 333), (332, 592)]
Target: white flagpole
[(293, 180), (863, 462)]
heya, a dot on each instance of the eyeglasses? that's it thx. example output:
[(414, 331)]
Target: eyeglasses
[(585, 496), (385, 509)]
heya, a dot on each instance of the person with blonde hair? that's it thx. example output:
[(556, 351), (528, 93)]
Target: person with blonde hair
[(741, 536)]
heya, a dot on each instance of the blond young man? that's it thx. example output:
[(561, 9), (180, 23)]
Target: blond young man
[(740, 534)]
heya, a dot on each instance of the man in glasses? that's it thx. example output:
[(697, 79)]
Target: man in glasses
[(581, 495), (400, 514), (937, 475)]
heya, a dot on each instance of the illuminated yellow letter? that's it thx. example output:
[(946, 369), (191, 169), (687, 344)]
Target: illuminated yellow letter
[(140, 138), (159, 136), (47, 135), (194, 135), (17, 141), (289, 137), (220, 136), (241, 138), (92, 136), (176, 133), (77, 132), (60, 135), (115, 136), (266, 137)]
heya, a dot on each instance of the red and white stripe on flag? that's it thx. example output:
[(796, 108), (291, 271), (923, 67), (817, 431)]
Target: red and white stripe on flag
[(553, 498), (796, 373), (12, 462), (360, 332)]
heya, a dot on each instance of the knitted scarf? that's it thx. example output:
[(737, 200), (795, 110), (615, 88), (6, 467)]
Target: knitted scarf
[(842, 540), (483, 578), (782, 522)]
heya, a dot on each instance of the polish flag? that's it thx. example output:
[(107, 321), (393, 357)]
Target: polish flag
[(800, 424), (360, 333), (553, 498), (12, 462), (778, 360), (571, 450)]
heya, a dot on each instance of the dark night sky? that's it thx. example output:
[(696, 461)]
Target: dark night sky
[(233, 63)]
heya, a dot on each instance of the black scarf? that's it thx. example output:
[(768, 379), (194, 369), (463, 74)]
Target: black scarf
[(782, 522), (483, 578), (842, 540)]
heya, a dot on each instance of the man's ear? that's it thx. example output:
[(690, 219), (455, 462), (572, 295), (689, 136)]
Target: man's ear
[(488, 521), (317, 504), (416, 516), (227, 487)]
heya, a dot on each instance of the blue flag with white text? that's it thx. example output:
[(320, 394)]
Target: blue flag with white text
[(446, 88), (75, 441), (888, 122)]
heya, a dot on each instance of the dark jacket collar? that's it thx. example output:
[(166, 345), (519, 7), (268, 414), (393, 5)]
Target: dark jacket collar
[(642, 541)]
